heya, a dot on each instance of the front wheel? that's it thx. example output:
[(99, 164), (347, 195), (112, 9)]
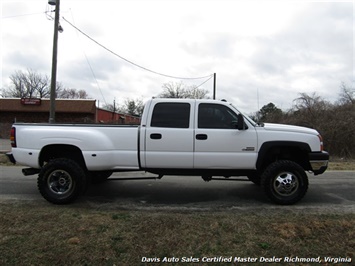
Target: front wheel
[(285, 182), (61, 181)]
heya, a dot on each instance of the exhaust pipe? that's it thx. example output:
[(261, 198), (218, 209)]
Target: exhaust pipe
[(30, 171)]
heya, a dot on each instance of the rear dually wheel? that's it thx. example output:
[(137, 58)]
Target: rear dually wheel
[(61, 181)]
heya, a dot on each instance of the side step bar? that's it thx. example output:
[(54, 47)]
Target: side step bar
[(30, 171)]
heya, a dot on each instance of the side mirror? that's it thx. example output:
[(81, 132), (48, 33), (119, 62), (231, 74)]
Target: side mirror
[(240, 125)]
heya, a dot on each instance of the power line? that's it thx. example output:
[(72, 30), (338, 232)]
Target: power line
[(89, 64), (128, 61), (23, 15), (204, 82)]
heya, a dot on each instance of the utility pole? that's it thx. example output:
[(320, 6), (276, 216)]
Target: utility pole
[(54, 61), (214, 86), (114, 110)]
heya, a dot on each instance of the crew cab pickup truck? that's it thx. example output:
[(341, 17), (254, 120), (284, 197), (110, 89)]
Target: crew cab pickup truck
[(176, 137)]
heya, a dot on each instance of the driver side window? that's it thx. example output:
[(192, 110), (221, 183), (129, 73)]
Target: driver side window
[(216, 116)]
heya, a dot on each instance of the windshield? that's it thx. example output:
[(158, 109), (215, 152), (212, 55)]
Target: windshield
[(251, 121)]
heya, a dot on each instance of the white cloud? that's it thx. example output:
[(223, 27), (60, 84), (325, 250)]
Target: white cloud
[(277, 48)]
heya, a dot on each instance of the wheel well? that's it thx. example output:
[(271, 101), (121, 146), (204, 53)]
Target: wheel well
[(296, 153), (55, 151)]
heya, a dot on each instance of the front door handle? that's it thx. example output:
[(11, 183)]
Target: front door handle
[(201, 136), (155, 136)]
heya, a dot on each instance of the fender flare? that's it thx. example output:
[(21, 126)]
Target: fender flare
[(270, 146), (68, 151)]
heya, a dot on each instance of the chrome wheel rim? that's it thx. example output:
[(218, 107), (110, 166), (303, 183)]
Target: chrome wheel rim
[(286, 184), (60, 182)]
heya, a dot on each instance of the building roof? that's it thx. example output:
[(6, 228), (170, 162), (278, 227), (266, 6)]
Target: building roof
[(61, 106)]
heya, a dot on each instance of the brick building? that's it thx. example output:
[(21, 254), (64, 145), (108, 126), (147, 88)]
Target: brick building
[(104, 116), (66, 111)]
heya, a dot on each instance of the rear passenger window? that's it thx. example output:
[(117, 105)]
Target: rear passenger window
[(173, 115)]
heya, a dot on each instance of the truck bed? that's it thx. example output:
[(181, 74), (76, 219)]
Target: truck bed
[(104, 147)]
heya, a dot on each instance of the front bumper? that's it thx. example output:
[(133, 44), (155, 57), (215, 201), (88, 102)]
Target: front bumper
[(319, 162), (11, 157)]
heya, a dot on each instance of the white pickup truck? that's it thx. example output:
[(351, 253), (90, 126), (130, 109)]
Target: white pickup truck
[(176, 137)]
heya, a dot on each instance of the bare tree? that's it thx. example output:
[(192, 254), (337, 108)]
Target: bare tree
[(42, 86), (311, 109), (67, 93), (133, 107), (30, 84), (335, 122), (173, 90), (194, 92), (347, 95), (180, 90), (19, 88)]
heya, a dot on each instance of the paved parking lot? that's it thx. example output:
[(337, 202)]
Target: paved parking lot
[(332, 192)]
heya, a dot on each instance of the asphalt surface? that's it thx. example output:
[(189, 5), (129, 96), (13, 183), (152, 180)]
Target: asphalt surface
[(331, 192)]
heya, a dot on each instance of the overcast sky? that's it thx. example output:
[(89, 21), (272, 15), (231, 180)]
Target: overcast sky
[(271, 49)]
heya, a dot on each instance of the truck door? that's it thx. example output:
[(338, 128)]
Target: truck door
[(218, 143), (169, 136)]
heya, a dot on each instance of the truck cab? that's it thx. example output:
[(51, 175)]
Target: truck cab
[(196, 134)]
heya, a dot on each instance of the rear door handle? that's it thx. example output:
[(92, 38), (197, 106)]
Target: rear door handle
[(155, 136), (201, 136)]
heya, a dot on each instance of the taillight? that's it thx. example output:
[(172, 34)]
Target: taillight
[(13, 137), (321, 142)]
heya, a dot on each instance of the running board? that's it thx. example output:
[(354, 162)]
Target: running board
[(230, 179), (30, 171), (159, 177), (132, 178)]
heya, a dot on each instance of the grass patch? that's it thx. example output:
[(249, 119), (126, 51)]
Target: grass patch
[(4, 160), (72, 235), (337, 164)]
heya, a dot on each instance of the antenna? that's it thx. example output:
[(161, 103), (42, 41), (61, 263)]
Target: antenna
[(258, 112)]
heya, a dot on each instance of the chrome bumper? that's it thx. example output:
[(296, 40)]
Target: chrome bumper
[(319, 162)]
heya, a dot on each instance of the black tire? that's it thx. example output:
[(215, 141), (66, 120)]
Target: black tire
[(285, 182), (61, 181)]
